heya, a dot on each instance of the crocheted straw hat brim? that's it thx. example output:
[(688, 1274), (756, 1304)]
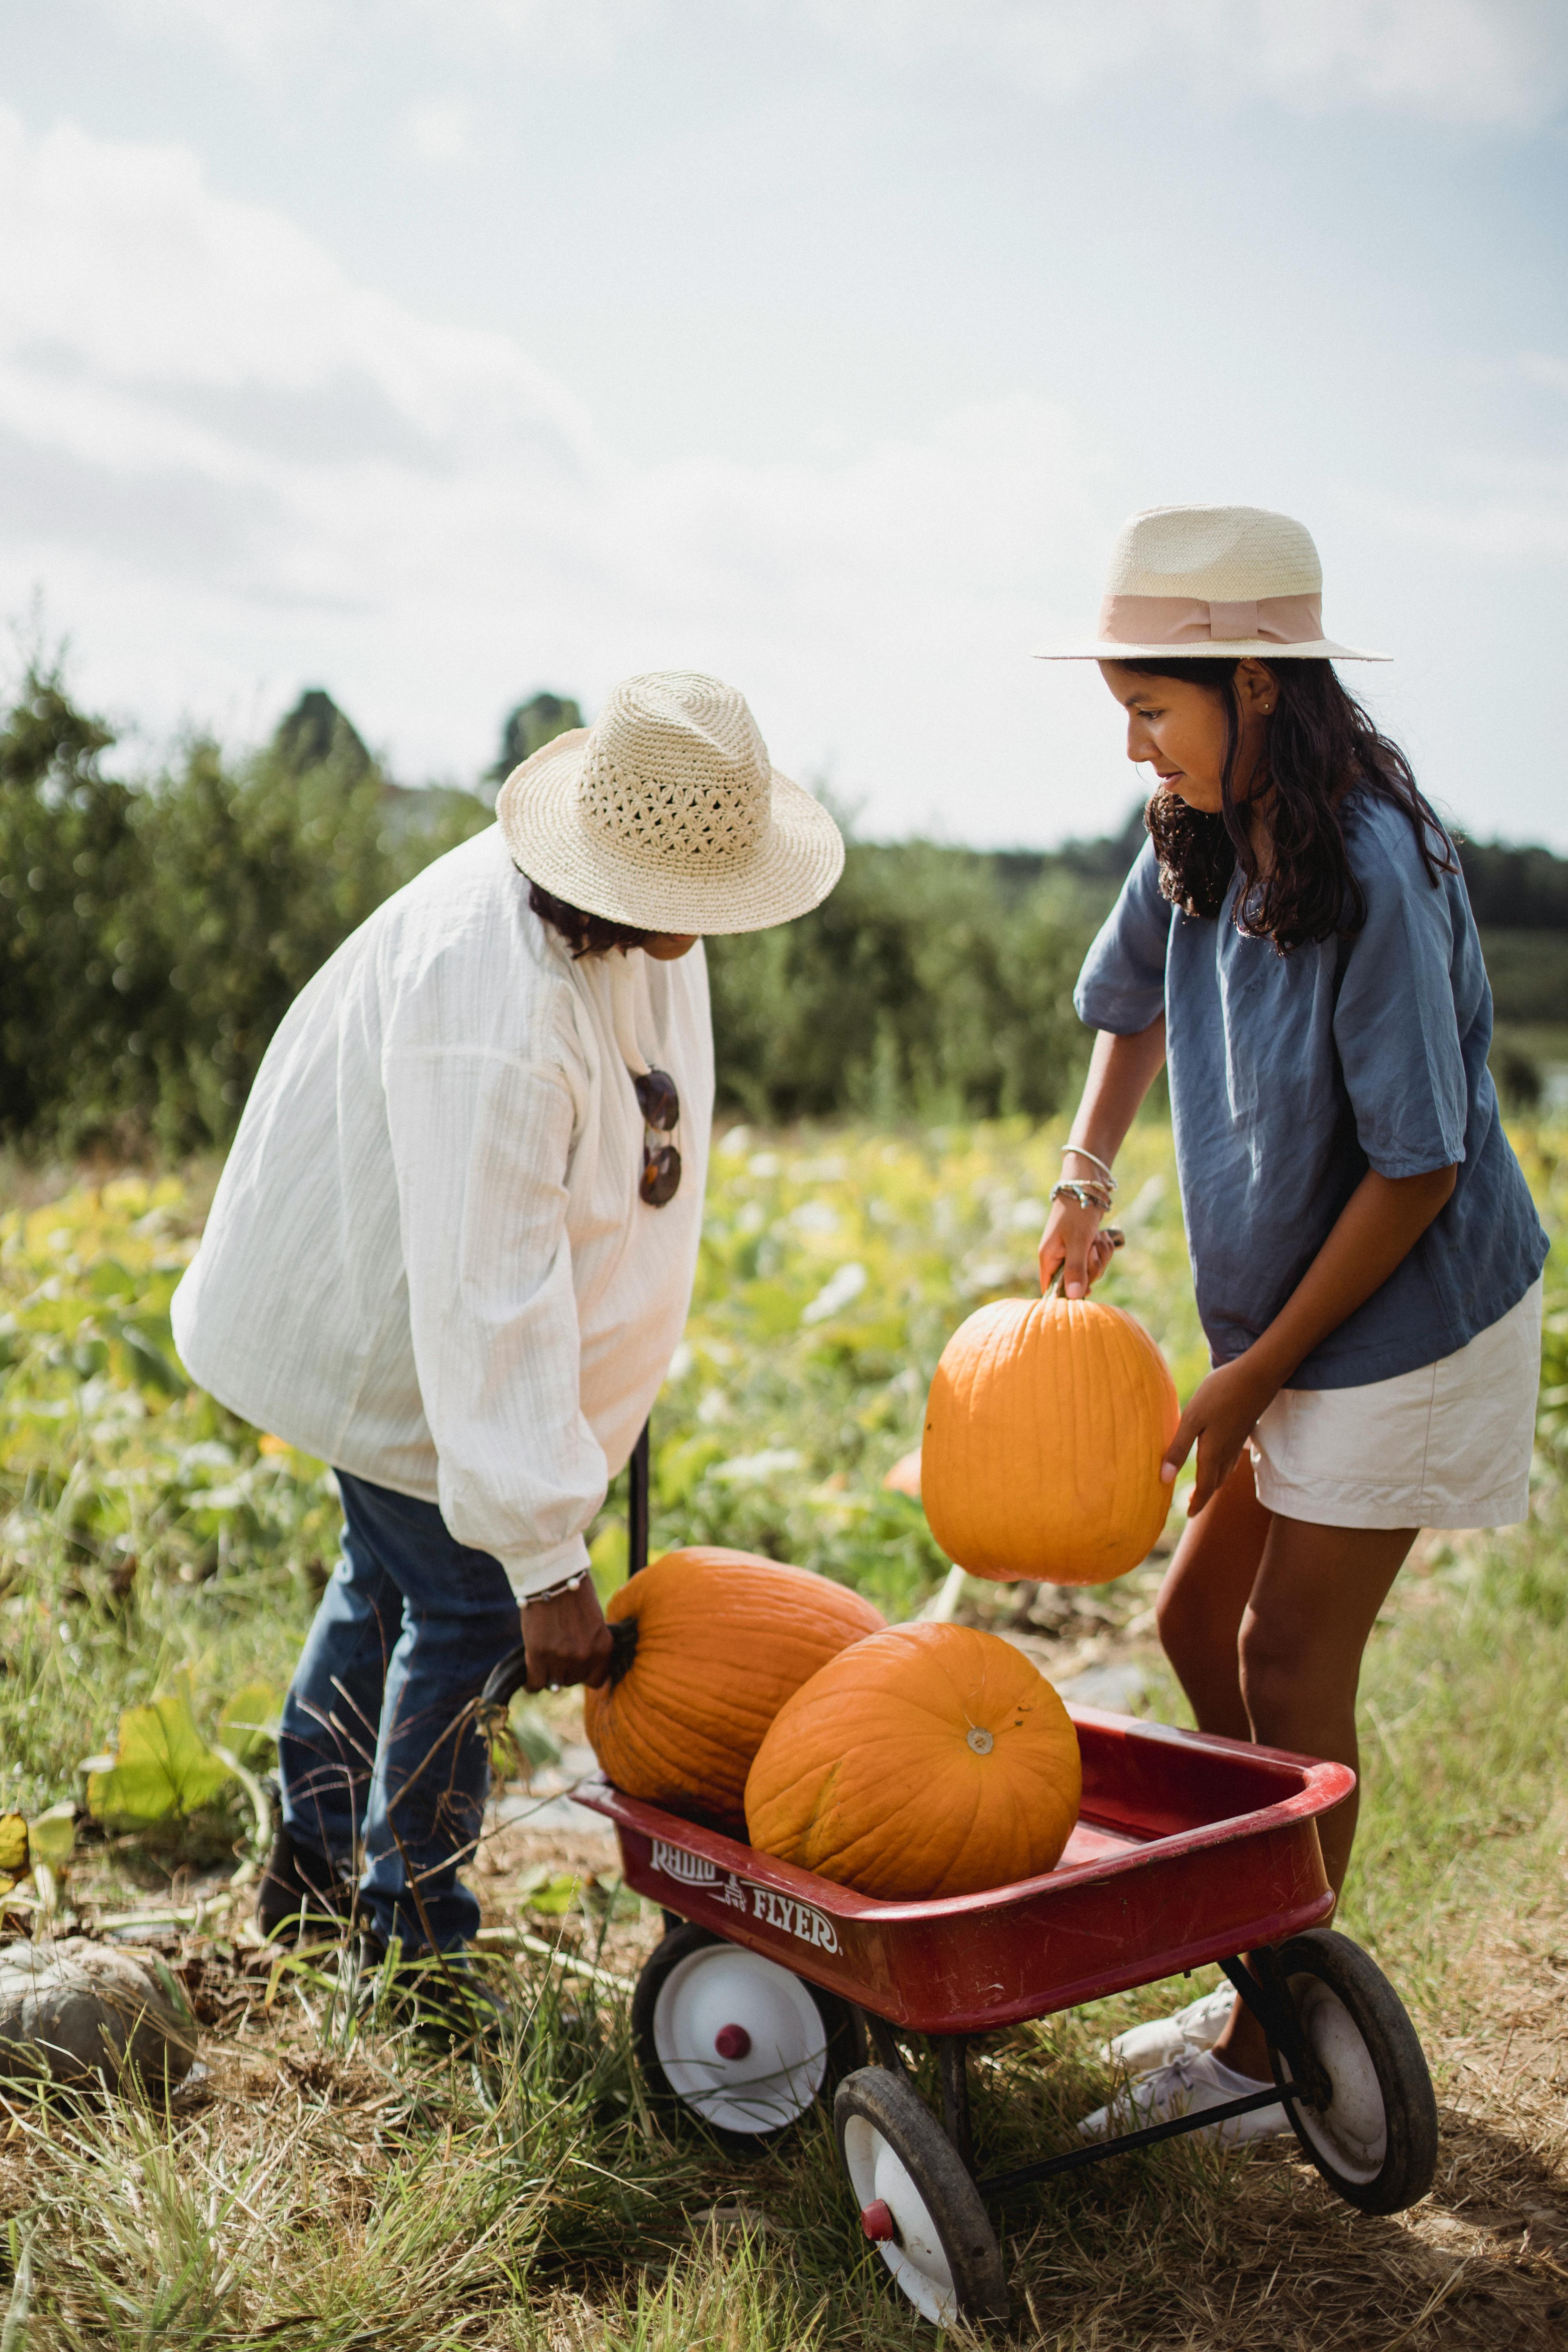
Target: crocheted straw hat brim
[(545, 826)]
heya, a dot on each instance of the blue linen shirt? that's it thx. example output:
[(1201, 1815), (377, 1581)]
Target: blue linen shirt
[(1291, 1075)]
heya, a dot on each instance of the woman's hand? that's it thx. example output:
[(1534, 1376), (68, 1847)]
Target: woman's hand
[(1073, 1241), (567, 1639), (1221, 1416)]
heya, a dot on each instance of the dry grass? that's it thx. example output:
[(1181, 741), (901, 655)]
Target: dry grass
[(326, 2186), (331, 2191)]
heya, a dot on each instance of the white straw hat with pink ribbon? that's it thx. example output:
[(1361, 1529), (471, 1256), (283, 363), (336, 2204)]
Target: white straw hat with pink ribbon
[(1207, 583)]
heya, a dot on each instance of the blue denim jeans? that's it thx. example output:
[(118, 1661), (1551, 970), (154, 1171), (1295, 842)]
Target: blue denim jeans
[(382, 1767)]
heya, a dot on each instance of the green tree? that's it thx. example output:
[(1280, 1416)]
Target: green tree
[(152, 938), (922, 986), (527, 729), (72, 998)]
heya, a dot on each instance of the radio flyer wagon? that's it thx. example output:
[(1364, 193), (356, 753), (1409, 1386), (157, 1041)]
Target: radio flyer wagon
[(778, 1988), (778, 1985)]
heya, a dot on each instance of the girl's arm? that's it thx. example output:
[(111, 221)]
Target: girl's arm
[(1120, 1072), (1376, 1229)]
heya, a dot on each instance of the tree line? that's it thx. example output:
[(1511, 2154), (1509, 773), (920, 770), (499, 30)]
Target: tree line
[(154, 932)]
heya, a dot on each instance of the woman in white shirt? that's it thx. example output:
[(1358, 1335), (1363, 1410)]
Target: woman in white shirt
[(452, 1252)]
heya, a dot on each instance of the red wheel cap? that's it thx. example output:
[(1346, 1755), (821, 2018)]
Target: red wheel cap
[(732, 2042), (877, 2221)]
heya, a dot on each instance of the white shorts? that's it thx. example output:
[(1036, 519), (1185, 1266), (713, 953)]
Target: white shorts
[(1448, 1446)]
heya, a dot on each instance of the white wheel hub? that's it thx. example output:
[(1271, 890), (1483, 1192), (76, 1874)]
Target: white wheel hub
[(741, 2040), (1352, 2132), (913, 2254)]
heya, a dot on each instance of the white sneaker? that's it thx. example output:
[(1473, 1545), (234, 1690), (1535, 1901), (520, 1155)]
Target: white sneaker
[(1187, 2085), (1166, 2038)]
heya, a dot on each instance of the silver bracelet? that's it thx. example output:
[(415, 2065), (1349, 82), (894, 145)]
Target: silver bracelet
[(1081, 1151), (556, 1591)]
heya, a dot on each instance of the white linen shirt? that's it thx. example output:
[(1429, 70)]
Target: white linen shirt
[(426, 1262)]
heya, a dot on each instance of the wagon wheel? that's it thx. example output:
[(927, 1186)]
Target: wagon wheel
[(918, 2204), (732, 2038), (1376, 2140)]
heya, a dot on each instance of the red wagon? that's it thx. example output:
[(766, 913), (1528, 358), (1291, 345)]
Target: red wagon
[(778, 1985)]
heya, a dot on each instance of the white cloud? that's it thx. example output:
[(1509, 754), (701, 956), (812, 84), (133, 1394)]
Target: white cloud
[(439, 130), (1497, 62), (1485, 61), (267, 34), (1514, 513), (233, 469), (1548, 368)]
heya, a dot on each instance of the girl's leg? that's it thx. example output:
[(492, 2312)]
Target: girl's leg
[(1312, 1607), (1204, 1599)]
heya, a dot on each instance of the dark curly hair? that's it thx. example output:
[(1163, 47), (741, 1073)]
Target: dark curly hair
[(1320, 745), (584, 934)]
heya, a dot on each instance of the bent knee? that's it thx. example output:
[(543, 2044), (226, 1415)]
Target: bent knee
[(1270, 1659), (1184, 1621), (1286, 1665)]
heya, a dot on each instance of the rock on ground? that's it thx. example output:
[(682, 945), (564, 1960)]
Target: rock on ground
[(76, 2011)]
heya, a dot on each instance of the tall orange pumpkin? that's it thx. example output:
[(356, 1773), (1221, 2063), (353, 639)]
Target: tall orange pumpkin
[(928, 1760), (708, 1643), (1044, 1433)]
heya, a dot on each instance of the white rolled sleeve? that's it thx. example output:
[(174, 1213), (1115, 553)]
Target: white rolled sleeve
[(481, 1144)]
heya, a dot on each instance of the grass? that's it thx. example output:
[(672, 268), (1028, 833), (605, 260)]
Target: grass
[(328, 2183)]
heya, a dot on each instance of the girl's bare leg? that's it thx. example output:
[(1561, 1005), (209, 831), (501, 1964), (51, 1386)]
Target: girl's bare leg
[(1204, 1599), (1265, 1620), (1314, 1604)]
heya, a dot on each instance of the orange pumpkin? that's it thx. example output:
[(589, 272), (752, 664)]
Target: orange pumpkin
[(708, 1643), (927, 1761), (1044, 1433)]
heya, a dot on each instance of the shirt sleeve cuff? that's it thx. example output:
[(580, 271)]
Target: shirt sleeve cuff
[(531, 1572), (1396, 1165)]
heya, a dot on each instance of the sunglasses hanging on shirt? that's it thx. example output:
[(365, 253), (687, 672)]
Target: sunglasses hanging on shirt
[(660, 1106)]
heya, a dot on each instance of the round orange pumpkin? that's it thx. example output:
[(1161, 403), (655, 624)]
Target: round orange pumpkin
[(927, 1761), (1044, 1433), (708, 1643)]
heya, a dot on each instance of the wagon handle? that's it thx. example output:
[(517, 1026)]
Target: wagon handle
[(637, 1504)]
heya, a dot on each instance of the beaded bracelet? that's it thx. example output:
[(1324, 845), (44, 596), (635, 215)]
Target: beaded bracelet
[(557, 1591), (1087, 1195)]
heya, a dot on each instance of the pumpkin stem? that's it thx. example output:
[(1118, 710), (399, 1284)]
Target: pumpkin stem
[(623, 1647)]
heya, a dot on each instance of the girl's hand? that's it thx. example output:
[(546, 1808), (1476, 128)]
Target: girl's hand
[(1221, 1417), (1073, 1241)]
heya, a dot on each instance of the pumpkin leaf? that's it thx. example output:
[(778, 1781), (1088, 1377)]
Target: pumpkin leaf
[(163, 1767), (244, 1726), (14, 1863), (51, 1836), (556, 1895), (607, 1557), (151, 1365)]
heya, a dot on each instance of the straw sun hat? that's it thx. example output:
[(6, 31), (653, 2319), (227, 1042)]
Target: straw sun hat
[(1202, 581), (667, 815)]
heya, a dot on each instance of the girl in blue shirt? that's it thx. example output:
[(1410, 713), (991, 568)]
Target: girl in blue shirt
[(1295, 943)]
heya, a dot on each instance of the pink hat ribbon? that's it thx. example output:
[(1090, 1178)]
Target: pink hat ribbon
[(1186, 620)]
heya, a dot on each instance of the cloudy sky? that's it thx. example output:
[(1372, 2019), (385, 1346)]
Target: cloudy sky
[(435, 350)]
